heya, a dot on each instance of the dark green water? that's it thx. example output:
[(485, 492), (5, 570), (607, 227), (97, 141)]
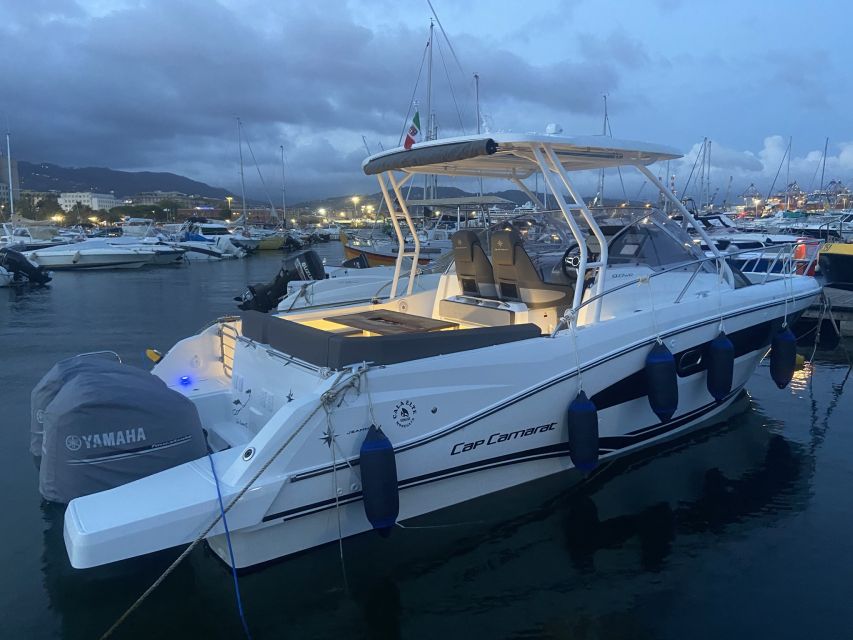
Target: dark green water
[(742, 530)]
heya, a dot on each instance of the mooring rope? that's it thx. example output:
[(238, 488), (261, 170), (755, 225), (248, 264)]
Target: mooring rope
[(326, 397)]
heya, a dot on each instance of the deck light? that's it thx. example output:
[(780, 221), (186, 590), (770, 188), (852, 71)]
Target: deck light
[(185, 380)]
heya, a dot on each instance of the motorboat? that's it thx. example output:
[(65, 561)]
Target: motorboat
[(548, 346), (757, 251), (21, 238), (836, 264), (216, 232), (95, 254), (200, 250), (201, 230), (379, 252), (163, 252)]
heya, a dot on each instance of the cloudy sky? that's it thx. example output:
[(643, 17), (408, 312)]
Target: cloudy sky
[(157, 84)]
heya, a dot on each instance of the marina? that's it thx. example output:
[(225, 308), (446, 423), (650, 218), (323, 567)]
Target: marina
[(659, 527), (417, 361)]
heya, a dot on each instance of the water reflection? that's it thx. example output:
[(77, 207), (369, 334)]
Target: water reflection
[(556, 558)]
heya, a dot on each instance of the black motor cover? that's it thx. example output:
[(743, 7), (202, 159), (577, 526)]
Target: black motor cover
[(359, 262), (22, 269), (306, 265)]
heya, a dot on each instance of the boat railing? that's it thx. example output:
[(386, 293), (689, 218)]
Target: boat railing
[(228, 336), (794, 259)]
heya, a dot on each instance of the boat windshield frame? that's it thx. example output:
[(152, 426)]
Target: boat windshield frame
[(515, 157)]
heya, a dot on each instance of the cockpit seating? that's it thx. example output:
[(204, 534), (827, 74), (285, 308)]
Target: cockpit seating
[(473, 268), (518, 279)]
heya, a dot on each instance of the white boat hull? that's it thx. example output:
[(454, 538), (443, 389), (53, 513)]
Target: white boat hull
[(90, 259), (479, 422)]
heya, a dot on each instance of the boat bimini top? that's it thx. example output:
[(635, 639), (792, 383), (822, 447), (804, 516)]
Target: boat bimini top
[(515, 157)]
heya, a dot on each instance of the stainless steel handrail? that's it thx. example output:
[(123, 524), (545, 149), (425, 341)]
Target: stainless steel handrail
[(571, 314)]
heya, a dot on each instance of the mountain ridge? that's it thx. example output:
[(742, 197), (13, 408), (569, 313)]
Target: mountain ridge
[(46, 176)]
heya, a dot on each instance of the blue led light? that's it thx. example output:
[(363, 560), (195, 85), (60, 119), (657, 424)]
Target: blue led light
[(185, 380)]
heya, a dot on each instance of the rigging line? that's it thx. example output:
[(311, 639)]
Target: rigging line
[(333, 391), (572, 319), (446, 37), (258, 168), (776, 177), (412, 99), (450, 85), (689, 177), (230, 549), (817, 168), (330, 431)]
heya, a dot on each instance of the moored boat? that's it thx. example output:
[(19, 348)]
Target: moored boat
[(836, 263), (551, 346)]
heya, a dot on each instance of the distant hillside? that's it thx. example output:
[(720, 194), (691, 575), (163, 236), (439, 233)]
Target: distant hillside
[(51, 177), (345, 202)]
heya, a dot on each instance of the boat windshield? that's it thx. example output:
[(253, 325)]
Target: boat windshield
[(214, 231), (651, 238), (635, 236)]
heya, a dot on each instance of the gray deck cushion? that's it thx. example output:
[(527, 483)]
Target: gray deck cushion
[(325, 349), (473, 268), (519, 280)]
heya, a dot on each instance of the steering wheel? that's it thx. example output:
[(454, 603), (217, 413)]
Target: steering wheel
[(570, 261)]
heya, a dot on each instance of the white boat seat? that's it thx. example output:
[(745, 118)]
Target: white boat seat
[(519, 280), (485, 312), (473, 268)]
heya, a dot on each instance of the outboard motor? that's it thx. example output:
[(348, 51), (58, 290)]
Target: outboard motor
[(359, 262), (291, 244), (108, 424), (264, 297), (22, 269)]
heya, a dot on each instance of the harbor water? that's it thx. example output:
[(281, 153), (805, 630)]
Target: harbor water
[(741, 530)]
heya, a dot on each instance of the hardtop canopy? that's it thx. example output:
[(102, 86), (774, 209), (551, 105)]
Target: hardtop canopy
[(510, 156)]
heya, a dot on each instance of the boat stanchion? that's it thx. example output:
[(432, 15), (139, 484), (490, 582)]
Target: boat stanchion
[(662, 381), (379, 481), (720, 366), (583, 433)]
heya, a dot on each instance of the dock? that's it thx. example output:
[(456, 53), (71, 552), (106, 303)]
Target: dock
[(841, 303)]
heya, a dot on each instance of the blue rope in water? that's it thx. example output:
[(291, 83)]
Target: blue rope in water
[(230, 550)]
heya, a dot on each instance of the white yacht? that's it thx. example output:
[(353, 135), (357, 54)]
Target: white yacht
[(549, 346), (198, 234), (91, 254)]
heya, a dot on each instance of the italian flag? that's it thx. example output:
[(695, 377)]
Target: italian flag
[(413, 131)]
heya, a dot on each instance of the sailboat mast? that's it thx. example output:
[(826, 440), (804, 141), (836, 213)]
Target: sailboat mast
[(427, 180), (477, 102), (283, 201), (242, 177), (477, 98), (601, 171), (708, 188), (9, 167), (823, 169), (788, 177)]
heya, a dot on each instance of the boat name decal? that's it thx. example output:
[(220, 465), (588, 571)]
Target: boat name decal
[(497, 438), (108, 439)]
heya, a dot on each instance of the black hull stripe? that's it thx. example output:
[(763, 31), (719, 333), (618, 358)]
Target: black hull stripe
[(607, 445), (571, 373)]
